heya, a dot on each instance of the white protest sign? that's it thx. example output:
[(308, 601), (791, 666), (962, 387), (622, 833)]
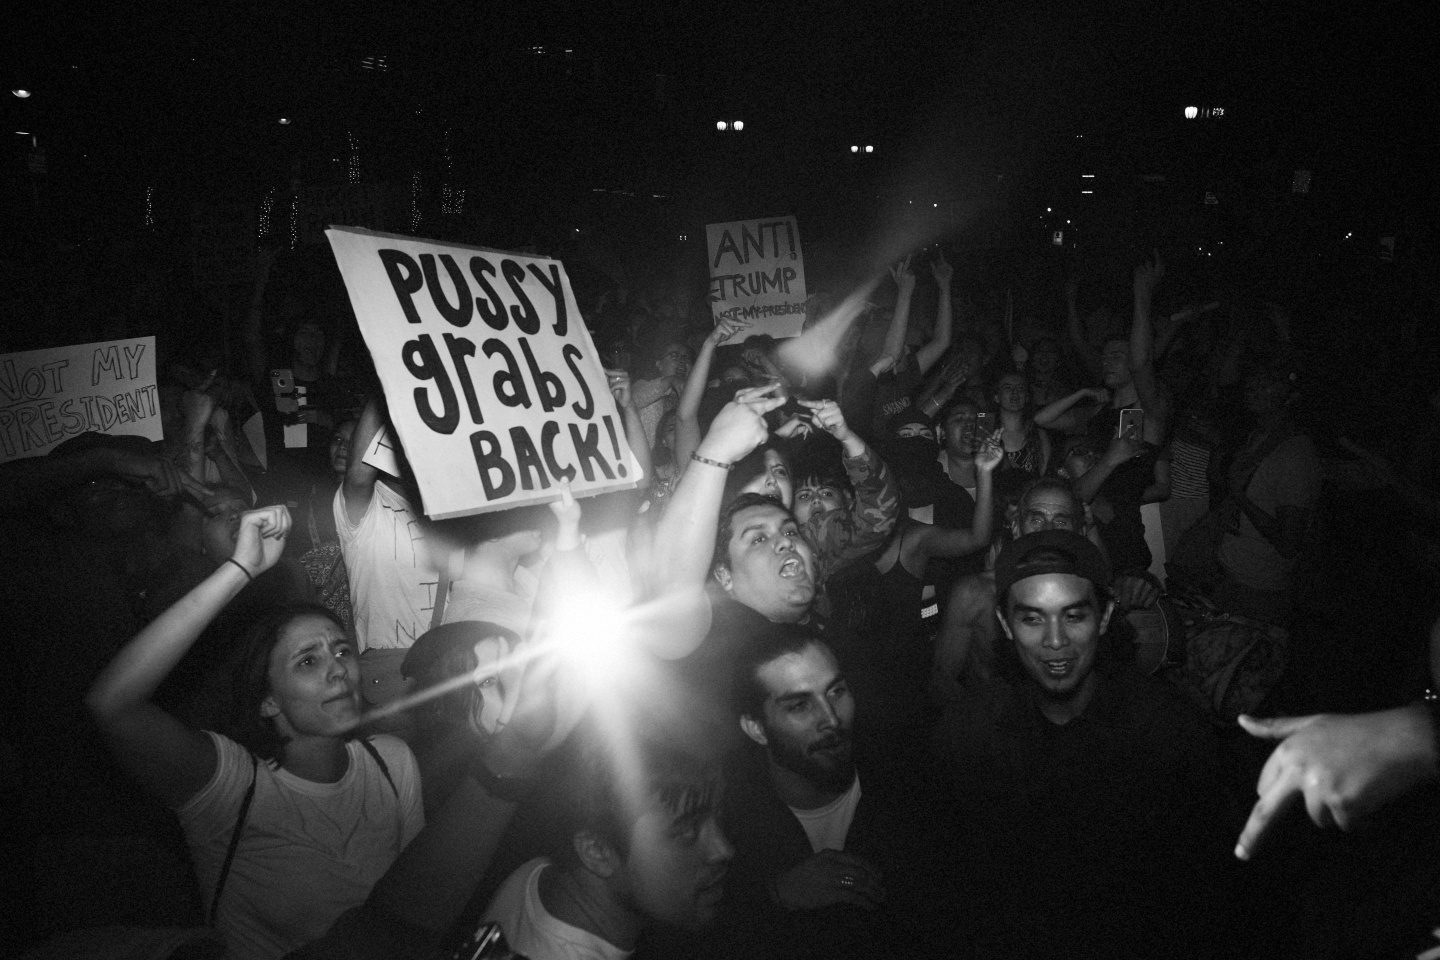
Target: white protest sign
[(49, 396), (757, 274), (494, 386), (381, 454)]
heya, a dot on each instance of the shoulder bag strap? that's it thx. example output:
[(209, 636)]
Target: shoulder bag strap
[(370, 749), (235, 838)]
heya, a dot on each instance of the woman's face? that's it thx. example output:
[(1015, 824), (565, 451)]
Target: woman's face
[(314, 679), (1012, 393), (221, 527), (499, 680), (774, 481)]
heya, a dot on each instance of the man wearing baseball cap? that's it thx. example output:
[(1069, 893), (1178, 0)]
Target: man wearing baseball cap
[(1090, 792)]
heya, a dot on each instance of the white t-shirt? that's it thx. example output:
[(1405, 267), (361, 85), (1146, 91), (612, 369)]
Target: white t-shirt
[(308, 851), (392, 578), (531, 930), (828, 826), (469, 601)]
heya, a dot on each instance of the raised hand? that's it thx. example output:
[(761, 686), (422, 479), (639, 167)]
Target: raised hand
[(826, 415), (261, 538), (726, 329), (740, 425), (619, 383), (902, 276), (989, 451), (941, 270), (1345, 766), (567, 512), (1148, 276)]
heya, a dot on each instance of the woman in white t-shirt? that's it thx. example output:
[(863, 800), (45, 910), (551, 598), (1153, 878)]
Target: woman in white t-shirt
[(292, 821)]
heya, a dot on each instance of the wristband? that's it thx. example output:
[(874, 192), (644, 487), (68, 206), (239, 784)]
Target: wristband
[(248, 575), (713, 463)]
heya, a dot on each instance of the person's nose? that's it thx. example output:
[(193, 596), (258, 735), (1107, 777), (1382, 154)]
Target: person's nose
[(1054, 636), (784, 545), (829, 719), (336, 668), (717, 846)]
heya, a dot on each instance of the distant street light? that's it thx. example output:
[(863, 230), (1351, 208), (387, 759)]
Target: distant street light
[(22, 93), (869, 149), (739, 124), (1191, 113), (854, 149), (722, 125)]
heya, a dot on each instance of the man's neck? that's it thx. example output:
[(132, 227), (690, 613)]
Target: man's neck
[(1061, 712), (578, 897), (796, 791), (960, 469)]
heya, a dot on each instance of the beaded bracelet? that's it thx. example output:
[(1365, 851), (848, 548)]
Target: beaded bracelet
[(714, 463)]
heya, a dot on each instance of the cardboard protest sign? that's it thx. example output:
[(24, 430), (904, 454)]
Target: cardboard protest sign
[(757, 274), (494, 386), (49, 396)]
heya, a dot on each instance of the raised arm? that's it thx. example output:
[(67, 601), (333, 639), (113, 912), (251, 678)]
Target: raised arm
[(1142, 354), (955, 542), (360, 476), (840, 537), (168, 758), (927, 356), (619, 381), (1062, 415), (687, 412), (685, 535), (1075, 326), (894, 347)]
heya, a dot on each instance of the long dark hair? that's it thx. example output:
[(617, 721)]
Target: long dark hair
[(247, 727)]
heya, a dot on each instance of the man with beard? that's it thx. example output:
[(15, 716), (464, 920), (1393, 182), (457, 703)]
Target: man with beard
[(813, 851)]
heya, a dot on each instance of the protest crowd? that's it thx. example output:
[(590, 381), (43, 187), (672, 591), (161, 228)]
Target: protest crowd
[(930, 616)]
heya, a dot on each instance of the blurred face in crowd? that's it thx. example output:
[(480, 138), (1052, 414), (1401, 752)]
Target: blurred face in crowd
[(1045, 357), (309, 344), (1046, 509), (960, 429), (340, 446), (675, 864), (910, 430), (1115, 364), (498, 681), (816, 496), (1012, 393), (314, 679), (674, 362), (771, 567), (807, 717), (1055, 621), (774, 481)]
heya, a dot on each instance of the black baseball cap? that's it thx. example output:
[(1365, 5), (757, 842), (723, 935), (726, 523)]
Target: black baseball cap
[(1049, 551)]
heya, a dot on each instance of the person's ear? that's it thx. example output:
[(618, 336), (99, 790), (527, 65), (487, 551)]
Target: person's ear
[(722, 577), (752, 729), (269, 709), (1105, 617), (1005, 624), (596, 854)]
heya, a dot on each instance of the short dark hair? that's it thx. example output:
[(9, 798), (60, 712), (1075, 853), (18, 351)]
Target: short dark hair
[(603, 789), (247, 727), (747, 693), (726, 528), (1055, 484)]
